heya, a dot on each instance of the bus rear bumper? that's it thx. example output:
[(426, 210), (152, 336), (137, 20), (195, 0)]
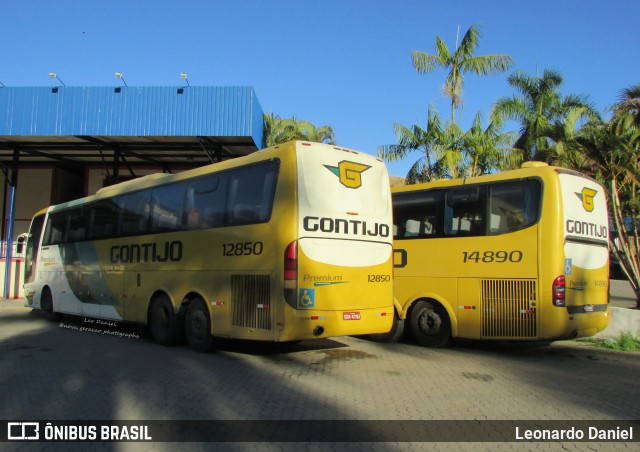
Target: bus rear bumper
[(312, 324), (589, 323)]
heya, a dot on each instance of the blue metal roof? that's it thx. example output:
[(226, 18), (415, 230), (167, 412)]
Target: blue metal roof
[(131, 111)]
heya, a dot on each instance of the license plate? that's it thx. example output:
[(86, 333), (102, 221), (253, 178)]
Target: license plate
[(588, 308), (350, 316)]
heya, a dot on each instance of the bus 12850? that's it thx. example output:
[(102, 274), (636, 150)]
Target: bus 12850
[(289, 243), (519, 255)]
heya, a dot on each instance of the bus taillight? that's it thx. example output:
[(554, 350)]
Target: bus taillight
[(291, 273), (558, 291)]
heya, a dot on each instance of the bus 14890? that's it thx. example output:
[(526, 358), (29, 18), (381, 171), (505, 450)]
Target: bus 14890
[(519, 255), (289, 243)]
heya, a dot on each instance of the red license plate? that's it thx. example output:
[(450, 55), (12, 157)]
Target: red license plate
[(351, 316)]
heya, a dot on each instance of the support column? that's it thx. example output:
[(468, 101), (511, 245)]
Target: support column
[(13, 184)]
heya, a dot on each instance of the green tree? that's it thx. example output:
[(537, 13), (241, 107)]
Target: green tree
[(277, 130), (447, 151), (488, 149), (539, 109), (627, 109), (309, 132), (613, 150), (565, 146), (429, 165), (461, 61)]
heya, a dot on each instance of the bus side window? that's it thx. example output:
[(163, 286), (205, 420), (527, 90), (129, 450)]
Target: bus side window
[(102, 219), (206, 202), (133, 213), (251, 192), (465, 212), (514, 205), (56, 226), (418, 215), (76, 226), (167, 205)]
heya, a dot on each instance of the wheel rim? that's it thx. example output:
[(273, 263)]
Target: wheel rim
[(430, 323), (198, 324)]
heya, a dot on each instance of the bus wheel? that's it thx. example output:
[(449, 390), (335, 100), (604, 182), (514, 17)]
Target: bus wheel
[(164, 321), (430, 325), (46, 304), (397, 330), (198, 326)]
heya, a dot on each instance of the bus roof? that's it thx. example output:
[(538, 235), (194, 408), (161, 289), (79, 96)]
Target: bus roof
[(527, 170)]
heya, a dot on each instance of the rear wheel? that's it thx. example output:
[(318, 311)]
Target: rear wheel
[(430, 324), (164, 324), (198, 326), (46, 305)]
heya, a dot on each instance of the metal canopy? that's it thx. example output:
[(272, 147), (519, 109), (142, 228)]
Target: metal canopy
[(70, 151), (159, 126)]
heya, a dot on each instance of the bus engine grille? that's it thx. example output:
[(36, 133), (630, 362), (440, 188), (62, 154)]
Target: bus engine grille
[(509, 308), (250, 296)]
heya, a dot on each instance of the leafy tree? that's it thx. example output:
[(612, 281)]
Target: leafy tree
[(541, 111), (613, 151), (448, 151), (461, 61), (429, 165), (277, 131)]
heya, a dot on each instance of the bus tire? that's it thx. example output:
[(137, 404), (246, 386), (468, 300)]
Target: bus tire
[(397, 330), (430, 324), (46, 305), (198, 326), (163, 321)]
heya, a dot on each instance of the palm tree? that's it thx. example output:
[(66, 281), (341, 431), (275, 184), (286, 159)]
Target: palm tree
[(462, 60), (277, 131), (565, 135), (488, 149), (538, 109), (613, 148), (429, 165), (309, 132), (448, 151), (628, 106)]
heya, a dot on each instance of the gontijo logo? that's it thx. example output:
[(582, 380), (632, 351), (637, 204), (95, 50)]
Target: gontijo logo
[(349, 173), (586, 196)]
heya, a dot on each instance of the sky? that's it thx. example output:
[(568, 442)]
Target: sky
[(342, 63)]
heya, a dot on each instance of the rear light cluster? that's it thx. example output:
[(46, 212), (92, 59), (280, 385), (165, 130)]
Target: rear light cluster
[(559, 291), (291, 273)]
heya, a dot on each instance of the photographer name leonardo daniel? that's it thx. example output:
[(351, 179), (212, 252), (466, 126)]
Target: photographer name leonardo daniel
[(573, 434)]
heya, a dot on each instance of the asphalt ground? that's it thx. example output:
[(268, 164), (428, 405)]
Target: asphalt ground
[(56, 372)]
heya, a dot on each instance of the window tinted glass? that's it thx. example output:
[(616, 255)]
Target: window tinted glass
[(513, 206), (417, 215)]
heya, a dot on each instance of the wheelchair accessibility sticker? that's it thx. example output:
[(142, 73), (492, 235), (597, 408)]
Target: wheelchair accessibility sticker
[(306, 298), (568, 266)]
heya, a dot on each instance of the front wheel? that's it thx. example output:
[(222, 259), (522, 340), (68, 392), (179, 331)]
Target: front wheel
[(198, 326), (46, 304), (165, 327), (430, 325)]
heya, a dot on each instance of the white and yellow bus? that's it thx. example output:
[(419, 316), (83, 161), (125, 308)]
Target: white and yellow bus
[(289, 243), (519, 255)]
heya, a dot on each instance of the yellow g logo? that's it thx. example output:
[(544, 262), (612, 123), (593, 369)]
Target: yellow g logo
[(349, 173), (586, 196)]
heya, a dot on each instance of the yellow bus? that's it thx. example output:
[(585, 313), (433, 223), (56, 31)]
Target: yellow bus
[(521, 255), (289, 243)]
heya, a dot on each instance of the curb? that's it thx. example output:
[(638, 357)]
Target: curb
[(622, 320)]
